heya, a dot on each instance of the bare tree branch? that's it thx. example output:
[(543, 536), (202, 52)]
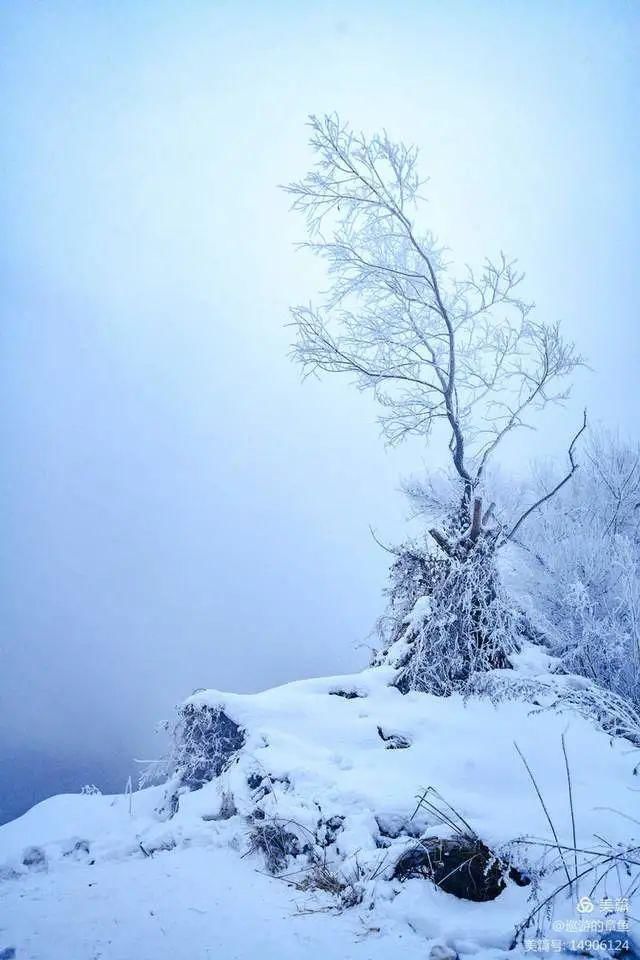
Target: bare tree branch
[(573, 466), (430, 346)]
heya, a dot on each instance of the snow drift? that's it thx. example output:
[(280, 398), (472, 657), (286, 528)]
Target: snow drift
[(330, 782)]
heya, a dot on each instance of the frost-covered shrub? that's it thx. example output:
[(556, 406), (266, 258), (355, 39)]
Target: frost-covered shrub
[(614, 714), (90, 790), (585, 566), (448, 617), (577, 578), (203, 741)]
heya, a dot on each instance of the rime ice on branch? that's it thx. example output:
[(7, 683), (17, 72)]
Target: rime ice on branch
[(432, 347)]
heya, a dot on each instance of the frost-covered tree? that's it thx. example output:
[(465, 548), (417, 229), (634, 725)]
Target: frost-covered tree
[(434, 348), (585, 558)]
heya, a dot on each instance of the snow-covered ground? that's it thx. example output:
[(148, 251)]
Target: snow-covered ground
[(190, 904), (130, 877)]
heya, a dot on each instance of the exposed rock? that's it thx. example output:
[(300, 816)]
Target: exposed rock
[(347, 694), (462, 866), (394, 741), (78, 849)]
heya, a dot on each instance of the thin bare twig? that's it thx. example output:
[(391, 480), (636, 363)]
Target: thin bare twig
[(573, 467)]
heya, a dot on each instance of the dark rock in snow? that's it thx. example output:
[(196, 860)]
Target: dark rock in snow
[(347, 694), (394, 741), (462, 866), (8, 953), (254, 780), (77, 849)]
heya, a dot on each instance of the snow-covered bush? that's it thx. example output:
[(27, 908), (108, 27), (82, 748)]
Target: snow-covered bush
[(585, 568), (564, 693), (202, 740), (90, 790), (573, 585), (447, 619)]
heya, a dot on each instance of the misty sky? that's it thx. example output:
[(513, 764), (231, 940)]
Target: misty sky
[(178, 509)]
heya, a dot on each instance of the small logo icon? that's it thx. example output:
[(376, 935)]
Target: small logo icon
[(584, 905)]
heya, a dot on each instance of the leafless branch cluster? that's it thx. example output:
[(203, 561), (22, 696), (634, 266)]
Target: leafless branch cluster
[(586, 578), (612, 713), (430, 346)]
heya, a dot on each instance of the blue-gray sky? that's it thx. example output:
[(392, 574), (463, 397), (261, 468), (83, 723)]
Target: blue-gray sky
[(179, 511)]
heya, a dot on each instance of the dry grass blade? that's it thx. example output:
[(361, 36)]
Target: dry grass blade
[(573, 818), (546, 812)]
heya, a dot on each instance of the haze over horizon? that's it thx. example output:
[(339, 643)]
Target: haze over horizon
[(180, 511)]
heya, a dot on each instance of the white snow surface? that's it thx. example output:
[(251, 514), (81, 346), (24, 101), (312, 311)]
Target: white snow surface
[(118, 878)]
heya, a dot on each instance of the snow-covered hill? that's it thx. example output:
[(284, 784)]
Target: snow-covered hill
[(321, 785)]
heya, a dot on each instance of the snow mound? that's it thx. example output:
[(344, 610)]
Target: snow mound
[(322, 785)]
